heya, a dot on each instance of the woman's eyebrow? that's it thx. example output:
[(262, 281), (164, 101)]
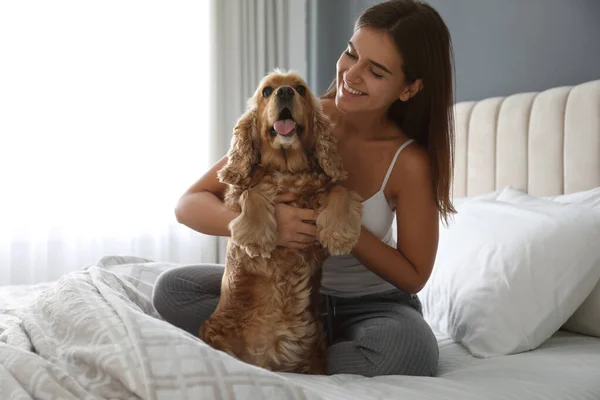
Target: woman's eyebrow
[(378, 65)]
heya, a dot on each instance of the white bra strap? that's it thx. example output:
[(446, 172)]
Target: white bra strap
[(391, 167)]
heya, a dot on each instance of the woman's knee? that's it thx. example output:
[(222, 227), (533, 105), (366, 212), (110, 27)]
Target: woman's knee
[(388, 346), (162, 298), (177, 286), (407, 349)]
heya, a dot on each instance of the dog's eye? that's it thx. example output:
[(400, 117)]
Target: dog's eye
[(267, 91), (301, 90)]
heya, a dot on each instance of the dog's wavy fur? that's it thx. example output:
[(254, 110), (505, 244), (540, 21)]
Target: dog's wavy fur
[(268, 312)]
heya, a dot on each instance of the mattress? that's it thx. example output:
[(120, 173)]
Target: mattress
[(95, 335), (566, 367)]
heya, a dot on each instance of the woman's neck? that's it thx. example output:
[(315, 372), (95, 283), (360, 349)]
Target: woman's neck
[(371, 125)]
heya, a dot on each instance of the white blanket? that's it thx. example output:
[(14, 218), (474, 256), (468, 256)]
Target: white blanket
[(95, 335)]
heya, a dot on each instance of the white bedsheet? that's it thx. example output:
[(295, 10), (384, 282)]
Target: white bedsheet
[(567, 367), (97, 337)]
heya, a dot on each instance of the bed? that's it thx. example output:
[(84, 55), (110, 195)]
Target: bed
[(531, 157)]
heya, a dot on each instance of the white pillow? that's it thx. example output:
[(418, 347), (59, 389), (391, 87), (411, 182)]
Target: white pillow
[(459, 201), (586, 319), (590, 198), (508, 275)]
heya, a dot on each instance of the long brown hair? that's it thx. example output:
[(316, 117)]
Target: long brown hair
[(424, 43)]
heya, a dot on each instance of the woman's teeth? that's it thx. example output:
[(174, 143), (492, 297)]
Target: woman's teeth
[(349, 89)]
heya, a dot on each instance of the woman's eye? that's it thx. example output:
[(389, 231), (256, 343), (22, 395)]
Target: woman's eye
[(376, 75), (267, 91)]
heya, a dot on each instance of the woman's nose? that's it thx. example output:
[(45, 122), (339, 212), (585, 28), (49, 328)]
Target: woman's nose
[(353, 73)]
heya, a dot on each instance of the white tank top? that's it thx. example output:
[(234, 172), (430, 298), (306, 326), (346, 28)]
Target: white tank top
[(345, 276)]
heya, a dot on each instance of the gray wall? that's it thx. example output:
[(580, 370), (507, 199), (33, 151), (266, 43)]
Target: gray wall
[(500, 46)]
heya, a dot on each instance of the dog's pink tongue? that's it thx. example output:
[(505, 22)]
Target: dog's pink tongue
[(284, 127)]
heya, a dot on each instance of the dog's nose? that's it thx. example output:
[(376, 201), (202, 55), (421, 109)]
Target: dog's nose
[(285, 92)]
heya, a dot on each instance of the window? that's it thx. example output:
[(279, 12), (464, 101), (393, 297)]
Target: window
[(104, 119)]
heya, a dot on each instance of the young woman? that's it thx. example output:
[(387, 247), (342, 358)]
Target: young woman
[(391, 103)]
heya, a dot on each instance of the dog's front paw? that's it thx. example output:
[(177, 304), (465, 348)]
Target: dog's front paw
[(258, 239), (339, 224), (335, 240)]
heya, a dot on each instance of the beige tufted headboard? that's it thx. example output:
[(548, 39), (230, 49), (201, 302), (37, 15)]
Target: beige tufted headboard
[(544, 143)]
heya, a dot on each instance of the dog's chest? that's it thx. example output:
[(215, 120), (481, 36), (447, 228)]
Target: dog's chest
[(305, 185)]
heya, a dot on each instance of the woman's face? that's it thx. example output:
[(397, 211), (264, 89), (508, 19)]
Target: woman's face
[(369, 73)]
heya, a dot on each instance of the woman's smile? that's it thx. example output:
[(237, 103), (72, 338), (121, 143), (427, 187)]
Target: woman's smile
[(351, 91)]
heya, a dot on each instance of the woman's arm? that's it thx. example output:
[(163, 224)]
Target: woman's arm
[(201, 207), (409, 265)]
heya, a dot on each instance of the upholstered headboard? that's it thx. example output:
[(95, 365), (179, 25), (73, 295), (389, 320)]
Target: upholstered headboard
[(544, 143)]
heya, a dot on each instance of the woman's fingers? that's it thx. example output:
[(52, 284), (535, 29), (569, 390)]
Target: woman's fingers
[(308, 214), (308, 229), (303, 238), (299, 245), (305, 214), (286, 197), (300, 241), (297, 226)]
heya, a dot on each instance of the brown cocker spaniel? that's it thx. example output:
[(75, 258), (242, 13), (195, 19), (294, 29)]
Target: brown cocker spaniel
[(268, 312)]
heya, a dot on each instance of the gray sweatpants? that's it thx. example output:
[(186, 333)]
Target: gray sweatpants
[(382, 334)]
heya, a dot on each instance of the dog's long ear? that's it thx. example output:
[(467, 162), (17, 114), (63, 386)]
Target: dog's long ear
[(243, 153), (326, 145)]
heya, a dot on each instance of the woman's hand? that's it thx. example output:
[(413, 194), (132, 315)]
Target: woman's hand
[(296, 227)]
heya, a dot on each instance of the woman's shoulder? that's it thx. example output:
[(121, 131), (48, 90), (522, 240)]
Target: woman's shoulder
[(413, 164), (414, 157), (415, 160), (412, 169)]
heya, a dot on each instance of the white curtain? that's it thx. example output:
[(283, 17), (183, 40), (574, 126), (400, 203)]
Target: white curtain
[(104, 122), (109, 110)]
